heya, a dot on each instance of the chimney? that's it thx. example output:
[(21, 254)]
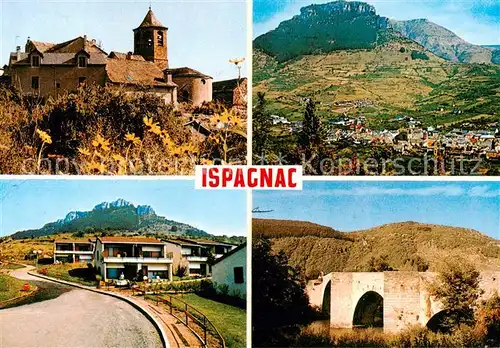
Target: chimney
[(129, 55), (18, 53), (85, 43)]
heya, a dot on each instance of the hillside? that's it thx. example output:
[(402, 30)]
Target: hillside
[(119, 215), (322, 29), (442, 42), (405, 245), (373, 71)]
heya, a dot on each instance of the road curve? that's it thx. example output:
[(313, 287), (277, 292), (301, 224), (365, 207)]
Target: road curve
[(77, 318)]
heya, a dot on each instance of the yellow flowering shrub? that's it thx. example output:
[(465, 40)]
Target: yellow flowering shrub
[(99, 131)]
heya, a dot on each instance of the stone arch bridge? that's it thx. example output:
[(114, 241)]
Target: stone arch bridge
[(402, 298)]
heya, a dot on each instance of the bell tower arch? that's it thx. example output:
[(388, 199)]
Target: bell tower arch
[(150, 40)]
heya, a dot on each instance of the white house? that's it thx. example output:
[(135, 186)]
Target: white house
[(231, 270), (66, 250), (134, 257)]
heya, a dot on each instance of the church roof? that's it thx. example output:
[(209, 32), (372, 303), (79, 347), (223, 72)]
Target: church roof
[(151, 21), (136, 72), (126, 56), (187, 72)]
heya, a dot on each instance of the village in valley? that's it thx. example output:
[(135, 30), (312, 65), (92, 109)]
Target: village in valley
[(406, 135), (391, 90)]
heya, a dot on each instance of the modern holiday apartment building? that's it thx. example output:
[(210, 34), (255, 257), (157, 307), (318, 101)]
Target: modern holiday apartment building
[(195, 254), (134, 257), (66, 250)]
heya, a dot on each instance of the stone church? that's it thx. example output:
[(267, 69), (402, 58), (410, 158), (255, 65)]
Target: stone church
[(48, 69)]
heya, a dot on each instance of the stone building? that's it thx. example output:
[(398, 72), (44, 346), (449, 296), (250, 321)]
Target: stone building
[(48, 69), (193, 86), (232, 93)]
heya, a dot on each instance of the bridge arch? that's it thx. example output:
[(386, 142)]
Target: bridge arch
[(437, 323), (327, 297), (369, 310), (316, 290)]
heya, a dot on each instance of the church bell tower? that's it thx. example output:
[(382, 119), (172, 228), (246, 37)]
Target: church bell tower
[(150, 40)]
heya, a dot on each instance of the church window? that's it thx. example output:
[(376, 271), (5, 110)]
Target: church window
[(149, 39), (160, 38), (185, 96), (35, 82), (82, 62), (35, 61)]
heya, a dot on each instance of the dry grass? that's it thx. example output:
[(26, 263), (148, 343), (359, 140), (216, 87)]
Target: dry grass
[(318, 249), (101, 131)]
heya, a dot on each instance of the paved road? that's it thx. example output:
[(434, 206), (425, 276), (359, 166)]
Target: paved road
[(76, 318)]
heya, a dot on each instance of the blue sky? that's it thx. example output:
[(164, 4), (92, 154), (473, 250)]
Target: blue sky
[(350, 206), (27, 204), (203, 34), (476, 21)]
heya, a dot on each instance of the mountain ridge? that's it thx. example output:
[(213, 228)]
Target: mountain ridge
[(403, 245), (117, 215), (340, 25)]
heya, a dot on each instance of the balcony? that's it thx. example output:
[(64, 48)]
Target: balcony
[(127, 259), (79, 252), (197, 258)]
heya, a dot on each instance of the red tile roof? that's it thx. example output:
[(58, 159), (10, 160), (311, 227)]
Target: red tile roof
[(139, 240), (186, 72), (150, 21), (135, 72), (72, 241)]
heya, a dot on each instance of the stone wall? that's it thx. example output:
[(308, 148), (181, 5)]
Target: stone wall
[(55, 80), (406, 297), (195, 90)]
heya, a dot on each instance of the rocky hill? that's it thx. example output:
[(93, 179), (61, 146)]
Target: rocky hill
[(347, 25), (119, 215), (443, 42), (322, 29), (352, 61), (404, 246)]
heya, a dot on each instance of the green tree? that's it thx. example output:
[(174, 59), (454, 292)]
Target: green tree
[(457, 287), (379, 264), (312, 137), (261, 126), (280, 304), (488, 321)]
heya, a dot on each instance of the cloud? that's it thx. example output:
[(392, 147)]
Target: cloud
[(483, 191)]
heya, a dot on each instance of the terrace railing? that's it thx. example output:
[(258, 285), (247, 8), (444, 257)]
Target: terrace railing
[(193, 319)]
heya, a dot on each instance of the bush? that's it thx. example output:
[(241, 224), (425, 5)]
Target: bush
[(488, 321), (419, 55), (181, 271), (98, 130)]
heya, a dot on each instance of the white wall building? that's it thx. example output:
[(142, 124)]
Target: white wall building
[(231, 270), (71, 251), (134, 257)]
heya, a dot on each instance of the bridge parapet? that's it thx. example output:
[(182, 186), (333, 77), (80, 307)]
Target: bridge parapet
[(406, 296)]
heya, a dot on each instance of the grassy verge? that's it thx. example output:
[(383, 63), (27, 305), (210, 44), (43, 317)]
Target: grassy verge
[(229, 320), (10, 287), (11, 266), (77, 273)]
